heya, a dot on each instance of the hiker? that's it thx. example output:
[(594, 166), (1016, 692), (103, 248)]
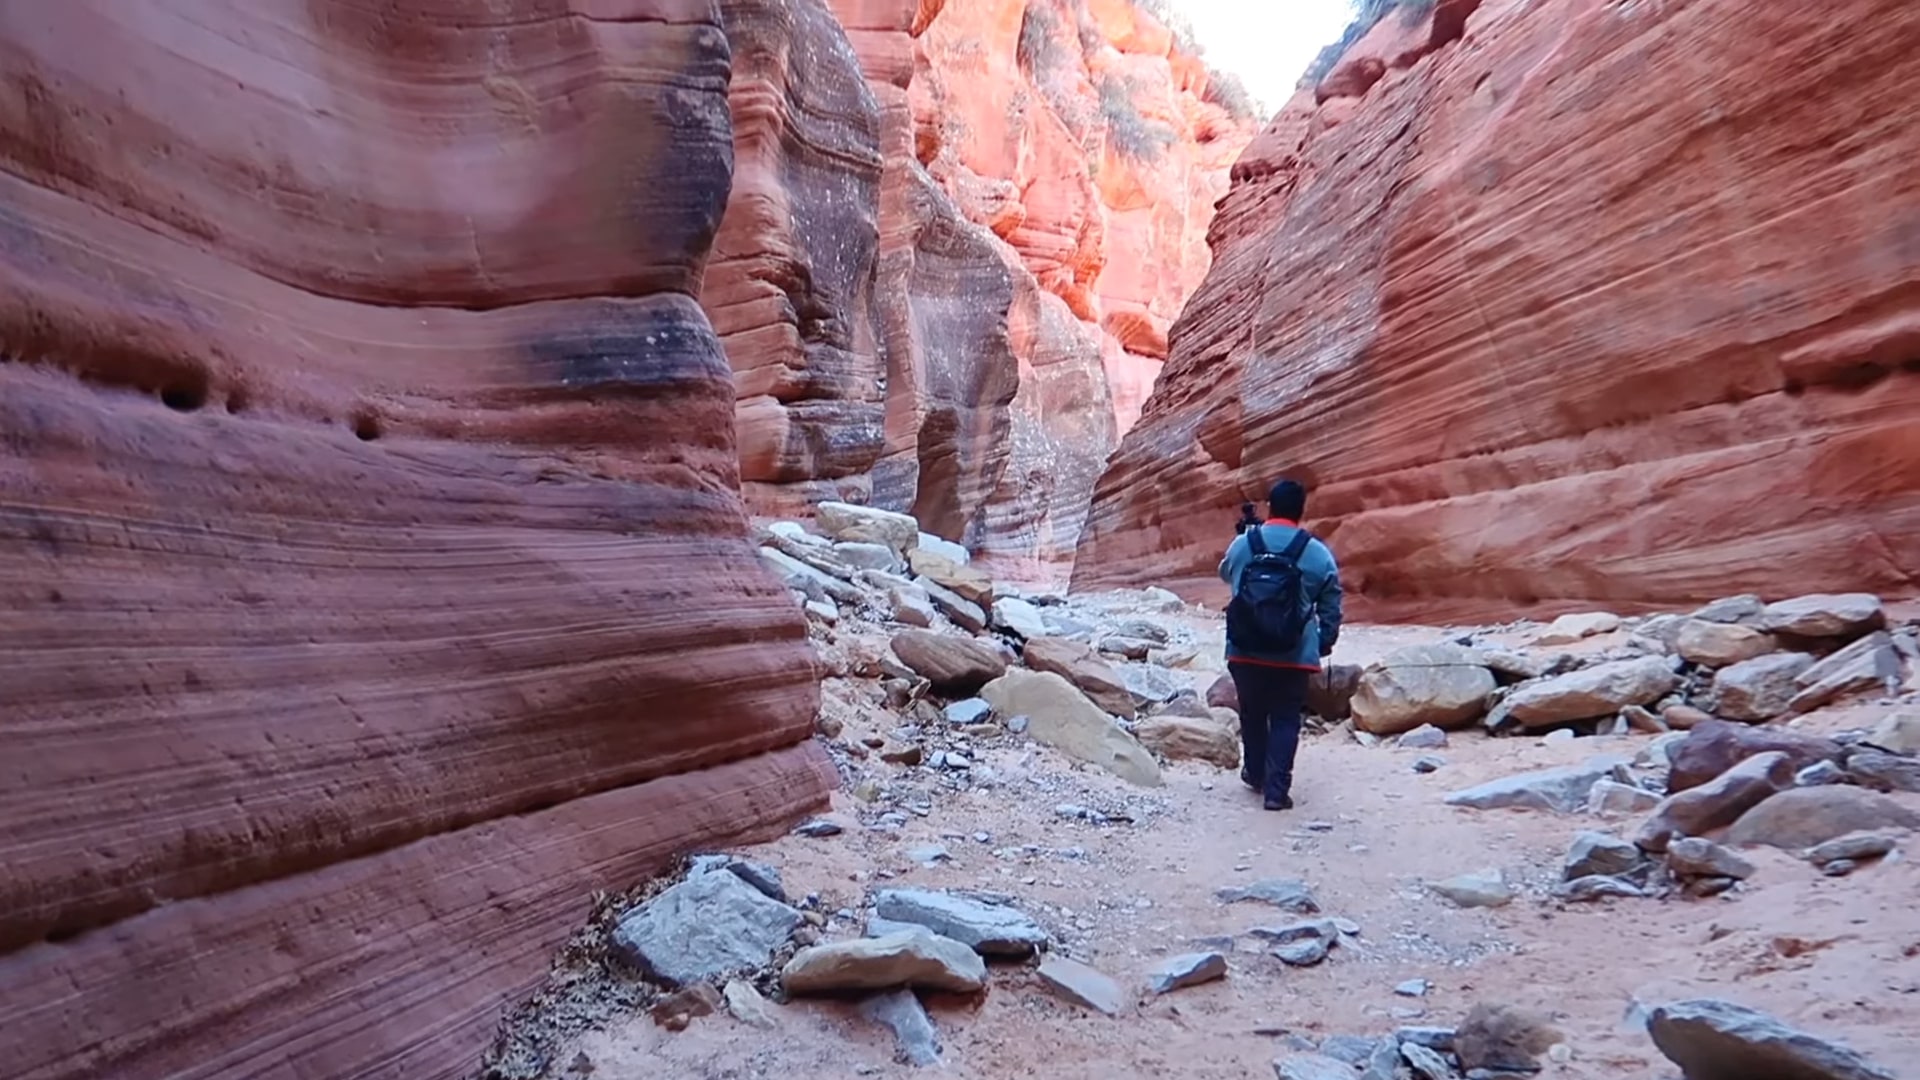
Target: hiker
[(1282, 621)]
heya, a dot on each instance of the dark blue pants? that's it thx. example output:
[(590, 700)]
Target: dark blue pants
[(1270, 701)]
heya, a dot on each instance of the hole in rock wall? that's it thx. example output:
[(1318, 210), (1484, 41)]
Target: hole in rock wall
[(366, 426)]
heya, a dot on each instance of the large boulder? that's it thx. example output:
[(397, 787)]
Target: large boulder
[(1897, 732), (963, 581), (1597, 691), (1759, 689), (1443, 685), (1808, 816), (1078, 663), (712, 923), (1062, 717), (1824, 615), (1577, 626), (1718, 1040), (1719, 644), (956, 666), (1719, 802), (1188, 738), (868, 525), (1019, 618), (1330, 691), (1713, 746)]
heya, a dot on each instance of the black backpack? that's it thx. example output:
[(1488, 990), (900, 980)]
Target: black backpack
[(1269, 610)]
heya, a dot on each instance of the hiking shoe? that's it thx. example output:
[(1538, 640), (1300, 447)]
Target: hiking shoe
[(1285, 802), (1248, 779)]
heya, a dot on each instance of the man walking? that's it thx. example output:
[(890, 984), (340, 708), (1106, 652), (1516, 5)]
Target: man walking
[(1282, 621)]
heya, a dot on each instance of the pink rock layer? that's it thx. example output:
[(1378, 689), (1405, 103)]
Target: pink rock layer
[(943, 282), (374, 582), (1574, 305)]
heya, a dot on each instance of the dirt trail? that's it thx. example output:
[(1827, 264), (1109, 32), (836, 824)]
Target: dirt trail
[(1839, 956)]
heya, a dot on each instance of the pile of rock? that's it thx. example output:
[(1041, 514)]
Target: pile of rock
[(1493, 1042), (967, 659), (1738, 658)]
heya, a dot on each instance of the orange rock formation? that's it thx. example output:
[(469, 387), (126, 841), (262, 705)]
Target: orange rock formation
[(1561, 304)]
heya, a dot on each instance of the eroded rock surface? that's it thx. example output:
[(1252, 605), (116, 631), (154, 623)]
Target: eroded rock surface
[(1534, 299), (374, 581)]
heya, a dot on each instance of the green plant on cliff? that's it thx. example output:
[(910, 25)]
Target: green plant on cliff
[(1226, 90), (1131, 135), (1366, 15)]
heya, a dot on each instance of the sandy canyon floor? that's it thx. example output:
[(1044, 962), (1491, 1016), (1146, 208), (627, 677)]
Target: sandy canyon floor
[(1837, 956)]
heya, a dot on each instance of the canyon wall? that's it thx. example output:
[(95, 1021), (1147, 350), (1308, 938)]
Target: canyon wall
[(374, 582), (959, 234), (1560, 304)]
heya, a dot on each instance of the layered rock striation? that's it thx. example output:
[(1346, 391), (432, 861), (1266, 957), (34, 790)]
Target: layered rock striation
[(374, 583), (1560, 304), (959, 235)]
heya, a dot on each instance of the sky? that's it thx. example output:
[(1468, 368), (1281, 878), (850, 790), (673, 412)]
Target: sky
[(1268, 43)]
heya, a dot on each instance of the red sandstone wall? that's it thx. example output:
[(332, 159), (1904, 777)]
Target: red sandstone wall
[(373, 578), (1562, 304)]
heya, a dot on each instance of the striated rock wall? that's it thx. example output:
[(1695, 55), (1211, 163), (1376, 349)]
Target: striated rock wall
[(968, 341), (1561, 304), (373, 576)]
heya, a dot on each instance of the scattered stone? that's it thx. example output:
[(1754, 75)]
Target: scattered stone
[(823, 610), (1413, 988), (1718, 1040), (1808, 817), (1853, 847), (900, 1012), (1149, 685), (1183, 738), (1864, 665), (1311, 1067), (969, 711), (1018, 725), (748, 1005), (1644, 720), (1222, 694), (1063, 718), (868, 556), (676, 1009), (1558, 737), (1745, 609), (757, 874), (1283, 893), (914, 958), (1433, 1038), (1758, 689), (1130, 648), (1598, 691), (815, 583), (704, 927), (1190, 969), (1424, 737), (1080, 665), (1684, 717), (1019, 618), (819, 828), (1818, 773), (1720, 802), (1898, 733), (1613, 797), (929, 854), (1596, 887), (1882, 771), (1504, 1038), (954, 665), (1596, 853), (1330, 691), (867, 525), (1824, 616), (1718, 644), (1385, 1063), (964, 613), (1715, 746), (1658, 753), (1442, 685), (1083, 985), (1484, 889), (988, 928), (959, 579), (1692, 856), (1354, 1050), (1840, 867), (1428, 763), (1427, 1063), (1568, 629), (1564, 789), (903, 754)]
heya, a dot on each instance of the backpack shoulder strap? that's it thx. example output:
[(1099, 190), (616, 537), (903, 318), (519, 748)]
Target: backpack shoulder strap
[(1256, 541), (1299, 545)]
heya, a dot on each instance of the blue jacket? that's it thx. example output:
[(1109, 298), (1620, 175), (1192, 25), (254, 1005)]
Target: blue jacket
[(1321, 577)]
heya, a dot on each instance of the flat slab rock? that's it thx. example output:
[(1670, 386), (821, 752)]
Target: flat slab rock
[(914, 958), (1718, 1040), (1284, 893), (1562, 790), (711, 924), (1312, 1067), (901, 1013), (1083, 985), (1190, 969), (988, 928)]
